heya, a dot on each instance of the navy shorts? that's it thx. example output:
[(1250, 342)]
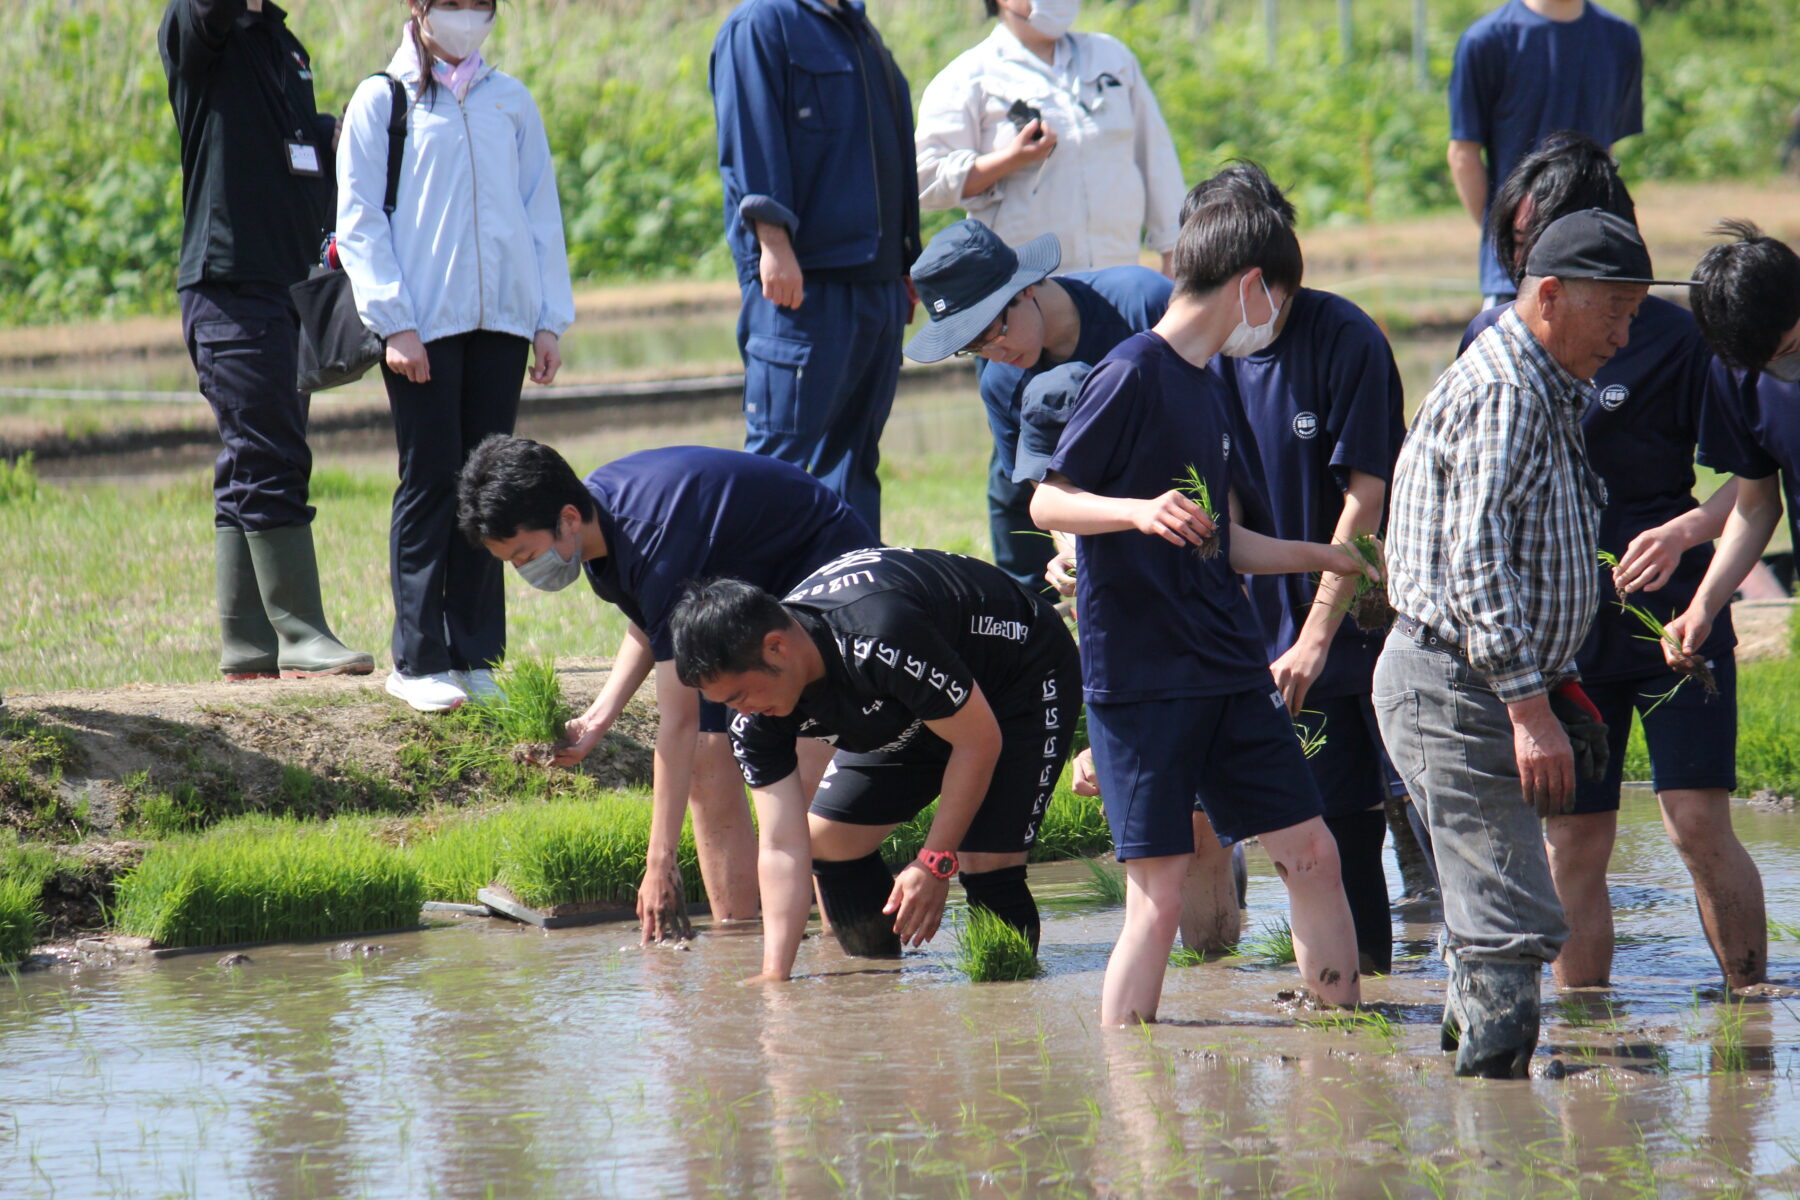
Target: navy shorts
[(1692, 738), (1351, 768), (1035, 735), (1237, 753), (714, 718)]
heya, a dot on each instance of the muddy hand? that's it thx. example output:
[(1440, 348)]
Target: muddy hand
[(580, 736), (917, 904), (1690, 632), (662, 912)]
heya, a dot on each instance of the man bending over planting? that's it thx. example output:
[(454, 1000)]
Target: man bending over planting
[(643, 526), (1180, 699), (934, 675)]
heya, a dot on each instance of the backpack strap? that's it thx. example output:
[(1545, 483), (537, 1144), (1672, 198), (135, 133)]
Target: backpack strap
[(396, 139)]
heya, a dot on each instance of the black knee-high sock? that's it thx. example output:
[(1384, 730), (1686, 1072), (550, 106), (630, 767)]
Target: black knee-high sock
[(1359, 840), (1005, 894), (852, 893)]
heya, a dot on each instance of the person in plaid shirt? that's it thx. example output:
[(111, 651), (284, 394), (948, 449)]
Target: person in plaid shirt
[(1490, 555)]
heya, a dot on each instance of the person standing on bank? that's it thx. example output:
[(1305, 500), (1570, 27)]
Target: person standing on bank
[(1491, 540), (822, 217), (1039, 130), (468, 278), (1522, 72), (255, 200), (1658, 398)]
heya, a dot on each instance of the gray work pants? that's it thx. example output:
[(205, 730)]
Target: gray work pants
[(1452, 743)]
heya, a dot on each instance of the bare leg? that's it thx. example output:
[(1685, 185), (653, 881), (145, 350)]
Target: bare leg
[(1580, 847), (1140, 958), (1306, 858), (1726, 882), (723, 833), (1211, 920)]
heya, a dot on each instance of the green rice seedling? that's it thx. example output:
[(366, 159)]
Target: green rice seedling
[(24, 869), (580, 851), (1689, 666), (457, 859), (1105, 884), (1729, 1052), (1783, 930), (1311, 740), (1272, 945), (258, 879), (527, 719), (990, 950), (18, 480), (1369, 607), (1191, 484)]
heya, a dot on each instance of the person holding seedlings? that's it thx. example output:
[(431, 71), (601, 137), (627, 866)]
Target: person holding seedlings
[(465, 279), (1325, 410), (822, 218), (1491, 541), (255, 202), (1180, 702), (1037, 130), (985, 300), (641, 527), (934, 676), (1655, 399)]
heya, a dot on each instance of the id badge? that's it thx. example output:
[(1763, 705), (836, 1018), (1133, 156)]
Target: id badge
[(303, 159)]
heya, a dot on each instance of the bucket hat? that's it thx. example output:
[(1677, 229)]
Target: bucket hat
[(965, 277)]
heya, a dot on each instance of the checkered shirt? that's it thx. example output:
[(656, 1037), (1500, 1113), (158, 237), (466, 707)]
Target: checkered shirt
[(1495, 511)]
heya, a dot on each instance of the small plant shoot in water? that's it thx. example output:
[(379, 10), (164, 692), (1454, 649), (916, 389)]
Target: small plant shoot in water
[(1689, 667), (1191, 484)]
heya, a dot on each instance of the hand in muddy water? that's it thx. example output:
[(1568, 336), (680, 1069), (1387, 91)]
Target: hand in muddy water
[(662, 912), (1085, 781), (917, 904)]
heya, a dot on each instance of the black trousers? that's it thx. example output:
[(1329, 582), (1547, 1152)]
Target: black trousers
[(244, 339), (449, 607)]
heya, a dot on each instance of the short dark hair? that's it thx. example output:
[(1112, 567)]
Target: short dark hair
[(718, 628), (1748, 295), (1231, 231), (514, 485), (1246, 176), (1567, 172), (992, 6)]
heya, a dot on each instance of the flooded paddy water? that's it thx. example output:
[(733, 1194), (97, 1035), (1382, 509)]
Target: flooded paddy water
[(487, 1059)]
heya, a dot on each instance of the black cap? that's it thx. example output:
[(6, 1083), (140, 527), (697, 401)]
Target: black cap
[(1593, 244), (1048, 402), (965, 277)]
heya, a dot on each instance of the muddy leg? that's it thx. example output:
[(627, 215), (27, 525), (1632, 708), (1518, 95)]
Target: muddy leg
[(723, 833), (1726, 882), (1580, 846), (1306, 858), (1211, 920)]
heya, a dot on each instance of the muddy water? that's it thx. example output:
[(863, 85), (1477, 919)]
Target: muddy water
[(481, 1060)]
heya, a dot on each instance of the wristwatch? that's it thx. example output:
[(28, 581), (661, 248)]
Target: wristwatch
[(941, 863)]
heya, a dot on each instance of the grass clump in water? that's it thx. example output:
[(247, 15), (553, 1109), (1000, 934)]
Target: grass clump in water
[(23, 872), (263, 879), (1273, 944), (1193, 485), (1104, 883), (988, 950)]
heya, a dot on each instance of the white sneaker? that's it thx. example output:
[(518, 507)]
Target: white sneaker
[(427, 693), (480, 685)]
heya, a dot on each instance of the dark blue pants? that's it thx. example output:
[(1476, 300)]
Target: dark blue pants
[(244, 339), (1020, 549), (449, 603), (819, 382)]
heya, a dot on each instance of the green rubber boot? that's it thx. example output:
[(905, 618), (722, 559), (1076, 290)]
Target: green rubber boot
[(287, 575), (247, 641)]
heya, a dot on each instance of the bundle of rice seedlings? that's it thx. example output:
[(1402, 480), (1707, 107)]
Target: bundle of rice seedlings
[(265, 879), (1195, 488), (530, 715), (457, 859), (1104, 883), (1688, 666), (1311, 740), (23, 870), (1369, 608), (580, 851), (990, 950), (1273, 944)]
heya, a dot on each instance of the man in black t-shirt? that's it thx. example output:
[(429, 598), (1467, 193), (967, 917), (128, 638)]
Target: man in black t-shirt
[(934, 675)]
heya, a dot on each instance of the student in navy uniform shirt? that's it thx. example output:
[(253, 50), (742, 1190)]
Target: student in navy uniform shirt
[(1180, 701), (936, 677), (1324, 407), (987, 300), (1655, 400), (1523, 71), (644, 526)]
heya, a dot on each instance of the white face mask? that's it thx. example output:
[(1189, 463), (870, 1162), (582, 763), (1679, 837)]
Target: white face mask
[(459, 32), (1249, 339), (1053, 18), (1786, 368)]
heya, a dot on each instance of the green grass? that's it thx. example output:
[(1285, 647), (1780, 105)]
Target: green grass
[(1272, 945), (988, 950), (24, 868), (261, 878), (533, 709), (1105, 884)]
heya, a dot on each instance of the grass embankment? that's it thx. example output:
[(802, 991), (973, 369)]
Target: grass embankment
[(23, 872)]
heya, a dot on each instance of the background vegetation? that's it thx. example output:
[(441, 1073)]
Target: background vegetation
[(90, 195)]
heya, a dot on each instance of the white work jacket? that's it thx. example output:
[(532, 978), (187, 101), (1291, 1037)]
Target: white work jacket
[(1111, 186)]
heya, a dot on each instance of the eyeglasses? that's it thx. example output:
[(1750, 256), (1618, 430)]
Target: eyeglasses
[(974, 348)]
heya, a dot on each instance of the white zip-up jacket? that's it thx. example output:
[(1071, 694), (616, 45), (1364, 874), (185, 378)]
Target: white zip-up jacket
[(1112, 185), (476, 240)]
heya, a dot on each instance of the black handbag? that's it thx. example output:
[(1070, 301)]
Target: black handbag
[(335, 346)]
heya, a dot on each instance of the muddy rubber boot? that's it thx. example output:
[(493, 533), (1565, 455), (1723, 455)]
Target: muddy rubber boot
[(1495, 1009), (247, 643), (287, 575)]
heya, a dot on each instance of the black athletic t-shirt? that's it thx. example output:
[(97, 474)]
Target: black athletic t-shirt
[(905, 635)]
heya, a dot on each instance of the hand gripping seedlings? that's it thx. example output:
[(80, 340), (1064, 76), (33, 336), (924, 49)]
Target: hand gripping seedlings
[(1192, 485), (1688, 666), (1369, 607)]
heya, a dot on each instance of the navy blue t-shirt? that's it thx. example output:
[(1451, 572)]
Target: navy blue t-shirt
[(1323, 400), (1114, 303), (692, 512), (1753, 430), (1652, 401), (1519, 77), (1157, 621)]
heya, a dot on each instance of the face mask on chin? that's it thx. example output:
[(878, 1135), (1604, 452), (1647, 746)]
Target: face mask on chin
[(1786, 368), (459, 32), (1053, 18), (1249, 339)]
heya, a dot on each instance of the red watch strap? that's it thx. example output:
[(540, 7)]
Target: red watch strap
[(941, 863)]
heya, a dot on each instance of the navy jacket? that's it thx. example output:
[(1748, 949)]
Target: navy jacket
[(811, 108)]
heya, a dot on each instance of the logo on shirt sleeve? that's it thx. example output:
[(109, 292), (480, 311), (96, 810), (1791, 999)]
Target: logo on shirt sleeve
[(1613, 396), (1227, 446), (1306, 425)]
